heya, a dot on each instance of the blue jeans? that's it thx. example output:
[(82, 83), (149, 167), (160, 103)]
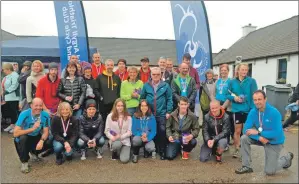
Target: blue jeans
[(99, 143), (132, 110), (59, 148)]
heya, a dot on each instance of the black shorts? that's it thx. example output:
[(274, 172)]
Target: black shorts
[(240, 117)]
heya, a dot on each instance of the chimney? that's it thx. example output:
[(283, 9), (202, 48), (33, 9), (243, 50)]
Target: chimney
[(248, 29)]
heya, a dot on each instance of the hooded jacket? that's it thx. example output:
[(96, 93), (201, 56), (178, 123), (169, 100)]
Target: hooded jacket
[(76, 89), (271, 124), (91, 128), (148, 124), (246, 88), (160, 101), (191, 90), (190, 125), (109, 87), (123, 76), (47, 91), (96, 71), (211, 123)]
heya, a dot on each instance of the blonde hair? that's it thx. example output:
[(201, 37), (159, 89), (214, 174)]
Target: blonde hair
[(40, 63), (133, 68), (64, 105), (7, 66), (238, 67)]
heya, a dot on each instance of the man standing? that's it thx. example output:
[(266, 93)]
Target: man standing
[(166, 76), (192, 71), (145, 72), (27, 132), (121, 71), (169, 67), (184, 85), (25, 73), (47, 90), (97, 67), (263, 128), (159, 96), (108, 84), (215, 130), (182, 129)]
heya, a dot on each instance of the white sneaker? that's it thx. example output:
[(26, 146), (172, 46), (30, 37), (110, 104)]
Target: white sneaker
[(83, 155), (153, 154), (35, 158), (11, 131), (9, 128), (25, 168), (100, 153)]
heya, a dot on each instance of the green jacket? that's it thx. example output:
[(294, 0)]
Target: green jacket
[(190, 125), (191, 90), (126, 91)]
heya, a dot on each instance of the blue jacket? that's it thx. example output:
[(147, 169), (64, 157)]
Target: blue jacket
[(222, 89), (271, 124), (11, 85), (161, 101), (246, 88), (149, 125)]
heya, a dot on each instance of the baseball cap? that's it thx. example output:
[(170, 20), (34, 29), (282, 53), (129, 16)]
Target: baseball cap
[(144, 59)]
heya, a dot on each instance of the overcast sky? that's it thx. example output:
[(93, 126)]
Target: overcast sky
[(146, 19)]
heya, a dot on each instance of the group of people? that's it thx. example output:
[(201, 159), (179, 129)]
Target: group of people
[(153, 108)]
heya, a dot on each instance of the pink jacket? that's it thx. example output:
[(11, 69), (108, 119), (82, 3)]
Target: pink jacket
[(125, 132)]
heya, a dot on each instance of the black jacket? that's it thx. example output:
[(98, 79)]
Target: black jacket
[(72, 132), (167, 77), (222, 125), (109, 87), (90, 128), (92, 83), (77, 89), (295, 95), (22, 80)]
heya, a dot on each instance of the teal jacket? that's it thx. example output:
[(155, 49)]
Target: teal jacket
[(161, 101), (11, 86), (246, 88), (148, 125)]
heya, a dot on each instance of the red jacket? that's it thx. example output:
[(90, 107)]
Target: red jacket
[(144, 77), (97, 70), (123, 76), (47, 91)]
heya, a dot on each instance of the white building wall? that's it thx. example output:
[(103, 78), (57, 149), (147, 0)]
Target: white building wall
[(292, 70), (266, 72)]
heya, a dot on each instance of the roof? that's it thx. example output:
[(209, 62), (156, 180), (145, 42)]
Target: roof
[(133, 49), (7, 35), (276, 39), (33, 46)]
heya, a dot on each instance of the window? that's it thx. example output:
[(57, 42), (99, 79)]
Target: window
[(282, 68)]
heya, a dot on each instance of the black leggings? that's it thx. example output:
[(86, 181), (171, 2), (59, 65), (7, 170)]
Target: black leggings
[(10, 110)]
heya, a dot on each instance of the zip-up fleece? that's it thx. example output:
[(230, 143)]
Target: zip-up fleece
[(127, 88), (271, 124), (246, 88), (159, 101), (149, 124)]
